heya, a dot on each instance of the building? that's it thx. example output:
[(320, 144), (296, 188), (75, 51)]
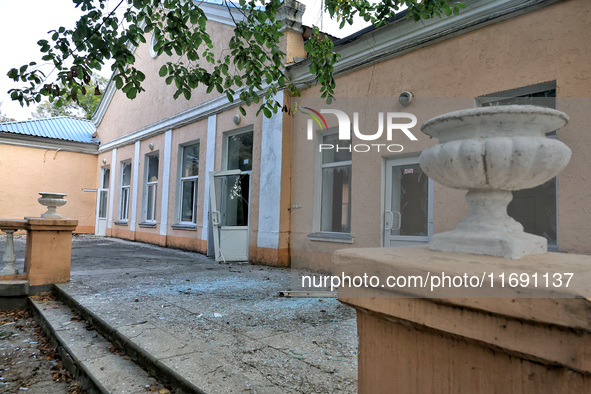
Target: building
[(49, 155), (196, 175)]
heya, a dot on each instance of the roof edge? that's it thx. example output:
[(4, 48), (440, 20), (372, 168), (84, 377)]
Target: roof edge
[(29, 141), (404, 35)]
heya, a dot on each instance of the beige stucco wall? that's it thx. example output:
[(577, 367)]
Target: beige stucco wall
[(544, 45), (155, 103), (125, 116), (28, 171)]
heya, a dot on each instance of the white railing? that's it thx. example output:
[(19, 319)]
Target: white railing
[(10, 227)]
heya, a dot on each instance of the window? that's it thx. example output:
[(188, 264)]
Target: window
[(125, 182), (239, 157), (104, 193), (151, 188), (189, 181), (335, 190), (240, 151), (534, 208)]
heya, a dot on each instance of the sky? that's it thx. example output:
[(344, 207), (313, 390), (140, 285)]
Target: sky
[(24, 22)]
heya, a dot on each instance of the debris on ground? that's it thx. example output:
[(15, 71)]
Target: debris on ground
[(28, 361)]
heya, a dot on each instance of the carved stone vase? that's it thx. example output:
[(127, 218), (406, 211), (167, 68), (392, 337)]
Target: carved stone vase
[(490, 152), (52, 201)]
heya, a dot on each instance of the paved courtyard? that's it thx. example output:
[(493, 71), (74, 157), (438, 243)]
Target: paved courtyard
[(223, 326)]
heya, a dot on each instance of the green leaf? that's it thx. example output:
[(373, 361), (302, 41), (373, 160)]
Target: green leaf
[(229, 96), (163, 71), (132, 93), (242, 111)]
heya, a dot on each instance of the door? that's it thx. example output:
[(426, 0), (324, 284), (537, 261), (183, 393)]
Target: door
[(229, 196), (408, 210), (102, 205)]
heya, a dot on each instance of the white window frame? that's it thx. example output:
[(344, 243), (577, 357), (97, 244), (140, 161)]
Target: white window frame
[(122, 188), (147, 185), (226, 143), (318, 234), (104, 186), (522, 91), (180, 185)]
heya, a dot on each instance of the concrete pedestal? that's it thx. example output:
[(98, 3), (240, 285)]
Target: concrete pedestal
[(49, 250), (464, 342)]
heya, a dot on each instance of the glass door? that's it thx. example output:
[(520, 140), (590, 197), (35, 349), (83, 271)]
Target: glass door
[(102, 210), (408, 213), (229, 195)]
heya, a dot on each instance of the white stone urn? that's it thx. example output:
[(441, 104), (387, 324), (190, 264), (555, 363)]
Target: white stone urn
[(490, 152), (52, 201)]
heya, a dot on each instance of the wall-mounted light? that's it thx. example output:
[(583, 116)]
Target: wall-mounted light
[(104, 161), (405, 98), (237, 119), (151, 146)]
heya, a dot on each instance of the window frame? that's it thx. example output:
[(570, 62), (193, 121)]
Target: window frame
[(180, 186), (481, 101), (104, 186), (122, 187), (226, 143), (147, 185), (318, 234)]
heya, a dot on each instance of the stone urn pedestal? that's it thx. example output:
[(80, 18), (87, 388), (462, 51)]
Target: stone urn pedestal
[(431, 320), (491, 152), (52, 201)]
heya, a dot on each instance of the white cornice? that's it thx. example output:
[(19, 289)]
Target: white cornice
[(28, 141), (221, 13), (404, 35), (101, 109), (202, 111)]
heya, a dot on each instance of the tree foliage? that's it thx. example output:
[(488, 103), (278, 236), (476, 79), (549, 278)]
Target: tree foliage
[(249, 67), (84, 105)]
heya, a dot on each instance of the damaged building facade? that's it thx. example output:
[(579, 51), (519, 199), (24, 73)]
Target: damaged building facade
[(286, 191)]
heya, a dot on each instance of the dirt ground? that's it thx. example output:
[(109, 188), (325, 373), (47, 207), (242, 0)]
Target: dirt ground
[(28, 362)]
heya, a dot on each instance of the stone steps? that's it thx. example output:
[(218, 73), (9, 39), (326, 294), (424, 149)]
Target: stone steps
[(135, 352), (13, 293), (91, 358)]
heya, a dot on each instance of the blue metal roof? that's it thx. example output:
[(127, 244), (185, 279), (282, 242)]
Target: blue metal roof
[(60, 128)]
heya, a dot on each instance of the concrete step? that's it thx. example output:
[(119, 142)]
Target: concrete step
[(91, 359), (14, 288), (140, 354)]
